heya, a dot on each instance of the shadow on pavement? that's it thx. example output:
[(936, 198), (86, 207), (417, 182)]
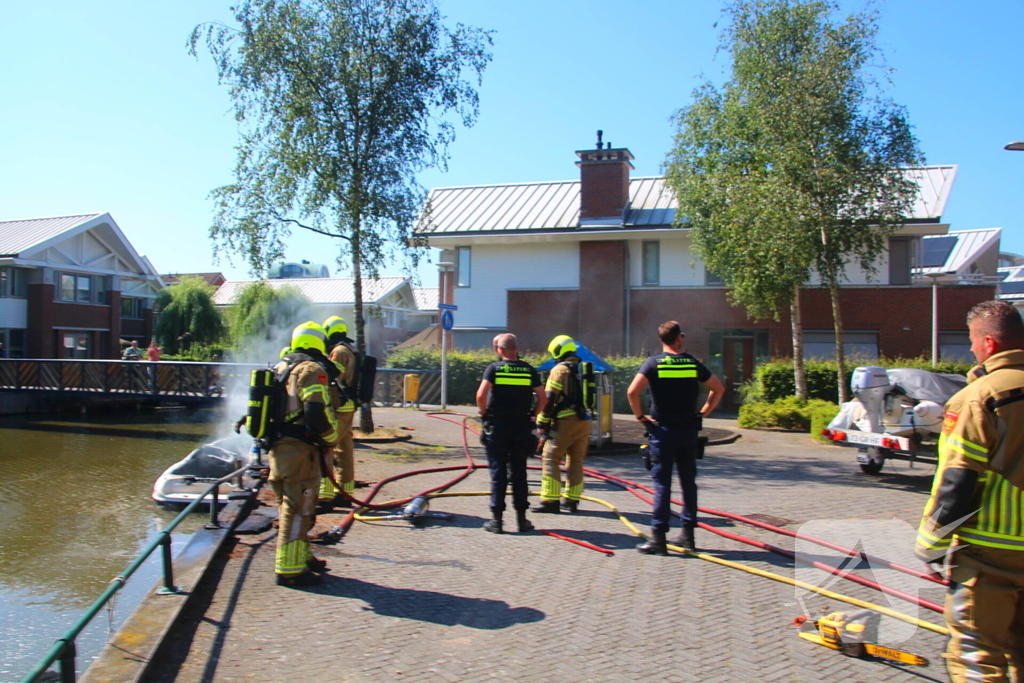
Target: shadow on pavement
[(431, 606)]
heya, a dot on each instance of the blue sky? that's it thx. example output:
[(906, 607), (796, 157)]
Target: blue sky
[(104, 110)]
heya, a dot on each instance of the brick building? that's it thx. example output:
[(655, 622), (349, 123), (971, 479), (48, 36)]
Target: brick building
[(599, 259), (72, 287)]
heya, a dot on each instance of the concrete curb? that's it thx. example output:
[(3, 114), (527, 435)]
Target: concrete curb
[(127, 656)]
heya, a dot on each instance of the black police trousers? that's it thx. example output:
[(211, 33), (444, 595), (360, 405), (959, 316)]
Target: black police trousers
[(507, 441), (673, 448)]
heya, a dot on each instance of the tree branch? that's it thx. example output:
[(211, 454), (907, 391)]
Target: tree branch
[(282, 219)]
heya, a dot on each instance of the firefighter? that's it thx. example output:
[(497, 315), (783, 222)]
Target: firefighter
[(506, 402), (975, 514), (296, 452), (674, 379), (564, 425), (341, 354)]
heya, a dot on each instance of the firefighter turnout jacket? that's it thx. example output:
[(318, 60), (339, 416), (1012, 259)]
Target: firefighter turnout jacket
[(309, 400), (977, 496)]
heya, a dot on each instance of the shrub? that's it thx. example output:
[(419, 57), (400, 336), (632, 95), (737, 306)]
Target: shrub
[(465, 368), (774, 380), (786, 413)]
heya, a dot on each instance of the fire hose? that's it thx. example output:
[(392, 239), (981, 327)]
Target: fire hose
[(636, 488)]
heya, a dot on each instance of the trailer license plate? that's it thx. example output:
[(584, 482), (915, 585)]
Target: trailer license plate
[(862, 438)]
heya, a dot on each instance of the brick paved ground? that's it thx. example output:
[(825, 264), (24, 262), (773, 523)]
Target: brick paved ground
[(450, 602)]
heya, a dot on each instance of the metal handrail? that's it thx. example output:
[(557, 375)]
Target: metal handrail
[(64, 649)]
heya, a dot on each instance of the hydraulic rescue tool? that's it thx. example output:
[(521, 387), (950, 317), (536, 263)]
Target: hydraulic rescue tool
[(852, 634)]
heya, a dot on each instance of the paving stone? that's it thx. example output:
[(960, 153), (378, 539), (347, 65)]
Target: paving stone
[(449, 602)]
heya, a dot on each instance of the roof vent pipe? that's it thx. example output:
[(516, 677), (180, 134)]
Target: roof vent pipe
[(600, 145)]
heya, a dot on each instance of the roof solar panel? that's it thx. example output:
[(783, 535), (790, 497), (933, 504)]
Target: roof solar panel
[(937, 250)]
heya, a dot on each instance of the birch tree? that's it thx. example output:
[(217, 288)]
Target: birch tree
[(804, 117), (340, 103)]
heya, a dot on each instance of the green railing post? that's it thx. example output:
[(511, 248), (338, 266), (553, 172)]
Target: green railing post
[(168, 588), (214, 524), (67, 662)]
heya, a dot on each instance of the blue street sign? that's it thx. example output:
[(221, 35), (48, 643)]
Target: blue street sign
[(447, 321), (448, 307)]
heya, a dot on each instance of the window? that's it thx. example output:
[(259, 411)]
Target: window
[(822, 344), (75, 288), (13, 343), (955, 346), (712, 279), (292, 271), (652, 263), (14, 282), (899, 261), (131, 308), (75, 344), (394, 319), (462, 266)]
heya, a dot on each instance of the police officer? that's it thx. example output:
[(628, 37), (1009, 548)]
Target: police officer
[(673, 378), (505, 399), (343, 357), (976, 510), (295, 454), (565, 426)]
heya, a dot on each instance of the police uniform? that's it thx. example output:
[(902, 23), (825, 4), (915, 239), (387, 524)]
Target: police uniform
[(508, 430), (977, 509), (295, 465), (569, 436), (674, 381), (344, 407)]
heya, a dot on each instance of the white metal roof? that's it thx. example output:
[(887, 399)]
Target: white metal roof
[(970, 244), (319, 290), (20, 236), (518, 207), (426, 298)]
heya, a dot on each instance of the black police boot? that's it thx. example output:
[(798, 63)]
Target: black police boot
[(569, 505), (685, 538), (524, 525), (550, 506), (655, 546), (299, 580), (494, 524)]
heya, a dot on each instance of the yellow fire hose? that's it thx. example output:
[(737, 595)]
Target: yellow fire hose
[(942, 630)]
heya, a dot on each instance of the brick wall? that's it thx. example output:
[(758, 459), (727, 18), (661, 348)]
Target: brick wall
[(537, 316), (604, 188), (45, 315), (601, 300)]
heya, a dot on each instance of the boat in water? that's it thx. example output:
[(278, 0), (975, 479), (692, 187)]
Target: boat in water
[(184, 481)]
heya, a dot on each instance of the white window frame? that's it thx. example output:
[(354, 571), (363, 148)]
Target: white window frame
[(463, 271), (646, 260)]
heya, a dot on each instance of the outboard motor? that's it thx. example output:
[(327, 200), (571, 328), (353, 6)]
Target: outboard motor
[(870, 384)]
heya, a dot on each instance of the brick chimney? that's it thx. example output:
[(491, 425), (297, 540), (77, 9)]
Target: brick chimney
[(604, 182)]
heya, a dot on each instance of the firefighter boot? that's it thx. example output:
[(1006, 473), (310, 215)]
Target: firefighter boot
[(685, 538), (494, 524), (522, 522), (299, 580), (655, 546), (569, 505), (546, 506), (315, 564)]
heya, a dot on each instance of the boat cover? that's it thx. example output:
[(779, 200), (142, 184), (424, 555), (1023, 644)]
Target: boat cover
[(207, 462), (925, 385)]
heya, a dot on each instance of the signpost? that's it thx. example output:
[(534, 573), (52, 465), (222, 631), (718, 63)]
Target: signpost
[(447, 322)]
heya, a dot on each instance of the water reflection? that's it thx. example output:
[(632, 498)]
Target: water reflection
[(76, 509)]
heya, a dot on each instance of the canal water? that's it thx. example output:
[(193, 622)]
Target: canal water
[(75, 510)]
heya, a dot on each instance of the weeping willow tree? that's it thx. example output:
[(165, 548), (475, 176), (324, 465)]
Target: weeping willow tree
[(186, 315), (262, 318)]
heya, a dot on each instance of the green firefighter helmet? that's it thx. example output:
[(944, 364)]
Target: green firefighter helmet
[(309, 335), (335, 328), (561, 345)]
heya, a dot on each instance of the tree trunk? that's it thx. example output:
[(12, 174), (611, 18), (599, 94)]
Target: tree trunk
[(844, 389), (796, 321), (366, 410)]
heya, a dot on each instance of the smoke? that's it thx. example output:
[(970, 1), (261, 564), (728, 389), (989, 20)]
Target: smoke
[(263, 329)]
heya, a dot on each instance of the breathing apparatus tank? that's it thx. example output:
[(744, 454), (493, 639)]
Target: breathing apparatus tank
[(258, 419)]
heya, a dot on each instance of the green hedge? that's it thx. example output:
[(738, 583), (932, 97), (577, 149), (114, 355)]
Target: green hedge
[(774, 380), (465, 368), (788, 413)]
